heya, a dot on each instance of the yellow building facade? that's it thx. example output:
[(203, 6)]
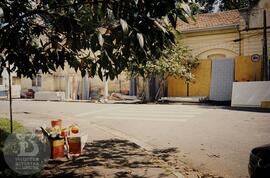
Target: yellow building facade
[(230, 34)]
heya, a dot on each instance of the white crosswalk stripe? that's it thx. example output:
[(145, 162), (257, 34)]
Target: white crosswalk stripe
[(140, 118), (145, 114)]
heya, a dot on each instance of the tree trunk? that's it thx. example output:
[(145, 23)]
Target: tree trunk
[(10, 99), (161, 88), (141, 90), (160, 91)]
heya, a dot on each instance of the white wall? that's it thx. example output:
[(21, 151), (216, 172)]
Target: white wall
[(250, 94), (16, 89), (4, 76)]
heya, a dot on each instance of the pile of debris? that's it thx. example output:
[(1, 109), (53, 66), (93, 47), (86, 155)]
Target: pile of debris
[(119, 98)]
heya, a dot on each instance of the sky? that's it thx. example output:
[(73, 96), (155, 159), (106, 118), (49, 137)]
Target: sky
[(216, 6)]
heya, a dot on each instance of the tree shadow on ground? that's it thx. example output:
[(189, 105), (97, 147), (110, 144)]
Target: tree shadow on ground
[(116, 158), (111, 158)]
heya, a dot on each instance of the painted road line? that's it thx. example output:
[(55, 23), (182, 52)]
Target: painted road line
[(169, 115), (97, 111), (140, 119), (160, 112), (165, 109), (119, 112)]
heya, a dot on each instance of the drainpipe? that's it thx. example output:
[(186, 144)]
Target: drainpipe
[(265, 55), (240, 40)]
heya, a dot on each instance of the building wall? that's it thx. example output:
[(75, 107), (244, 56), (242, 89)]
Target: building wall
[(256, 15), (205, 44), (26, 83), (199, 87), (252, 42), (264, 4), (47, 83), (236, 42), (74, 85), (15, 84), (229, 41), (246, 70), (176, 87), (202, 82), (120, 84)]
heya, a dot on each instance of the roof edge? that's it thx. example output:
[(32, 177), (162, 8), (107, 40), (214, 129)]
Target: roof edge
[(223, 27)]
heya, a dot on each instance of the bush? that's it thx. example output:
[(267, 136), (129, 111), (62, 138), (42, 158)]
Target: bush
[(5, 129), (4, 132)]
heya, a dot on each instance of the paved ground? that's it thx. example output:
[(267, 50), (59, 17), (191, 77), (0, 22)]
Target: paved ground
[(211, 139), (117, 158)]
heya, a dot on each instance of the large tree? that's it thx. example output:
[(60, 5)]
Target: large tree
[(94, 36), (101, 37)]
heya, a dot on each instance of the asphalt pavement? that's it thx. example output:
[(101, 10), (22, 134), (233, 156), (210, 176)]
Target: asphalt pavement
[(211, 139)]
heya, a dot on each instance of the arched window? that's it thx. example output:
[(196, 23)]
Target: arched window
[(216, 53), (216, 56)]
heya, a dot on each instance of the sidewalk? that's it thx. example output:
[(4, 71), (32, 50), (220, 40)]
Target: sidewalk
[(114, 158)]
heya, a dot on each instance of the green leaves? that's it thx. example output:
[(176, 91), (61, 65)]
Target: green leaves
[(176, 61), (115, 34), (208, 5), (100, 39), (124, 26), (140, 39)]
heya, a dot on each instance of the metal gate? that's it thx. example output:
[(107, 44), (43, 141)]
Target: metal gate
[(222, 79)]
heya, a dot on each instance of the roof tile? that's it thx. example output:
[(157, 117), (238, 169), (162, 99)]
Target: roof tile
[(211, 20)]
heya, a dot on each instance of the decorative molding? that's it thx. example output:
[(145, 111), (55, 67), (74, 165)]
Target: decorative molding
[(215, 49)]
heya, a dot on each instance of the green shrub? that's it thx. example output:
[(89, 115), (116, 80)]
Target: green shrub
[(5, 129)]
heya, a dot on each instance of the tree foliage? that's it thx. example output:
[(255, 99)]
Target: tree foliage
[(101, 37), (237, 4), (223, 5), (176, 61), (206, 5)]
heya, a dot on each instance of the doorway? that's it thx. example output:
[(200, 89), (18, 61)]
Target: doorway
[(222, 79)]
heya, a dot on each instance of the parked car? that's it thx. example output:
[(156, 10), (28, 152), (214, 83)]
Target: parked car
[(259, 162), (28, 94)]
